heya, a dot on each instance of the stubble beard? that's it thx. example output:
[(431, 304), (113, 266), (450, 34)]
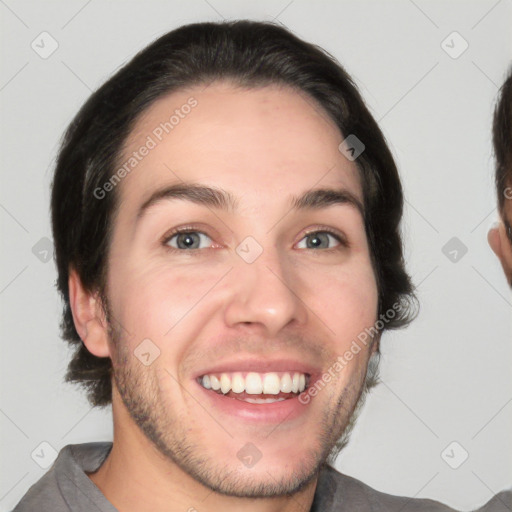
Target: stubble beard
[(141, 395)]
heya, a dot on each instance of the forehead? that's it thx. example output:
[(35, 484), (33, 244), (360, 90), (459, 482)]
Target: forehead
[(265, 143)]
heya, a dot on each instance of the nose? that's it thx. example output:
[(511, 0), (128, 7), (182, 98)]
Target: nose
[(265, 293)]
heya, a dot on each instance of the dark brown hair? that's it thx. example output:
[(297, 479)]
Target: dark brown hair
[(249, 54), (502, 142)]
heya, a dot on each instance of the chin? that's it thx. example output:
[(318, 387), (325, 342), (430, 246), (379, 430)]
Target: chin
[(263, 480)]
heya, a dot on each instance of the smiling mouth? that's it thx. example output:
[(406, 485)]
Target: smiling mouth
[(256, 388)]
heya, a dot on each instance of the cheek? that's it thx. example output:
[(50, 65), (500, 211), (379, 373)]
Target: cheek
[(345, 299), (152, 298)]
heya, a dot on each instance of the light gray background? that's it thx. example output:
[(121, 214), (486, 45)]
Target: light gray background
[(445, 378)]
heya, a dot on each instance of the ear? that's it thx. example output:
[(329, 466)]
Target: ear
[(88, 315), (501, 246)]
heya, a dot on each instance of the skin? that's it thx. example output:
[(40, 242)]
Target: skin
[(293, 301), (498, 240)]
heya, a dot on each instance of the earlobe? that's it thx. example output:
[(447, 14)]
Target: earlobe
[(89, 321)]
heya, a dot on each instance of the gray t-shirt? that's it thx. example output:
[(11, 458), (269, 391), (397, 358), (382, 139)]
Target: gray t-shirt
[(66, 487)]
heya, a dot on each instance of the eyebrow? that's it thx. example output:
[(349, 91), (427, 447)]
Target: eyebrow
[(220, 199)]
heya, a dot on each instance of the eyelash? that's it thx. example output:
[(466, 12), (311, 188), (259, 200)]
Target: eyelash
[(190, 229)]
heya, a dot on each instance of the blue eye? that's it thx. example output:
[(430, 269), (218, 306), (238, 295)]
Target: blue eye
[(187, 240), (320, 239)]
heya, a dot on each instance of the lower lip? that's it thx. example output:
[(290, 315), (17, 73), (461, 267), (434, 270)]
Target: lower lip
[(275, 412)]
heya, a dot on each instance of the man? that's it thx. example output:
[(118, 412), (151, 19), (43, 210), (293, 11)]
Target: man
[(226, 218), (500, 237)]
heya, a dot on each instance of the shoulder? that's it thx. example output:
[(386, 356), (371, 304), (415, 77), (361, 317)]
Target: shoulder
[(336, 491), (65, 479), (502, 502)]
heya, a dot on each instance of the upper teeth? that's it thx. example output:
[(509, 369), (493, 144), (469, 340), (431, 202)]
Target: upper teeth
[(255, 383)]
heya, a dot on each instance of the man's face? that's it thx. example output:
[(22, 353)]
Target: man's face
[(500, 237), (264, 293)]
